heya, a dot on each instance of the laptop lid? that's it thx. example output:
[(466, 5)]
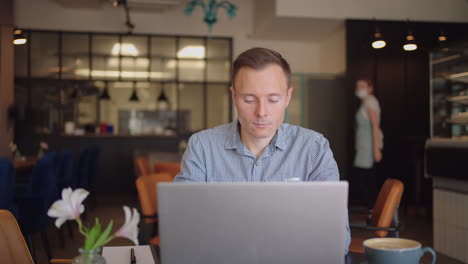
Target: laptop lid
[(267, 223)]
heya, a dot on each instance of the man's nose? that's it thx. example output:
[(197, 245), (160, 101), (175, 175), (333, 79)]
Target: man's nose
[(261, 110)]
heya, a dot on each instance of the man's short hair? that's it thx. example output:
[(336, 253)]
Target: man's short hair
[(259, 58)]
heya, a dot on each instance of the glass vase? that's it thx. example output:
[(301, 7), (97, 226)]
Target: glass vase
[(92, 256)]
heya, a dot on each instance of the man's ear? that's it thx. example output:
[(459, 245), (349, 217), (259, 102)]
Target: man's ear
[(289, 93), (233, 92)]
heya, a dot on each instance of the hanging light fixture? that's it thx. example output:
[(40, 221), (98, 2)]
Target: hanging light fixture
[(163, 101), (105, 94), (19, 38), (211, 10), (410, 43), (134, 97), (442, 37), (378, 41)]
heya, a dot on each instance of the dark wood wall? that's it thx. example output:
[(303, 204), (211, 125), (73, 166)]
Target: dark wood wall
[(402, 83)]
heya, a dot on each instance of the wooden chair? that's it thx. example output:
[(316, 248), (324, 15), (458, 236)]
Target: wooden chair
[(142, 166), (384, 219), (148, 193), (13, 248), (173, 168)]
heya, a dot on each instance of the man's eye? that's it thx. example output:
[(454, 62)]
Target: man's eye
[(249, 100), (273, 99)]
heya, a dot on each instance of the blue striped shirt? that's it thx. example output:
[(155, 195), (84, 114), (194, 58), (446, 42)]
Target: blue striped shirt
[(218, 155)]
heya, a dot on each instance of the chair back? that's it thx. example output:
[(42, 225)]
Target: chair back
[(386, 205), (142, 166), (13, 248), (148, 193), (173, 168), (80, 169), (44, 178), (93, 165), (7, 184), (64, 170)]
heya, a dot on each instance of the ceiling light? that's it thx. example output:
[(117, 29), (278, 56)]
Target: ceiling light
[(19, 38), (117, 3), (134, 97), (378, 42), (163, 101), (410, 43), (442, 37), (105, 94)]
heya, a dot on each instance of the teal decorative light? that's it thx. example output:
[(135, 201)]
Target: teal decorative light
[(211, 10)]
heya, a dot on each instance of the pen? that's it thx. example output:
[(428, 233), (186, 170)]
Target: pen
[(132, 256)]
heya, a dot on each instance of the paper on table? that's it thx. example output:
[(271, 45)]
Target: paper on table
[(121, 255)]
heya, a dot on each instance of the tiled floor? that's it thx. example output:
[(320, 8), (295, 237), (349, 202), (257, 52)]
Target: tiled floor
[(417, 228)]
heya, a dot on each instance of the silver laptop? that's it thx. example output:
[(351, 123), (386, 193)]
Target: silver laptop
[(252, 223)]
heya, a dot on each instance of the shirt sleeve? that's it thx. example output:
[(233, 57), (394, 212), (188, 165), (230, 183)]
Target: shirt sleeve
[(325, 169), (193, 168), (372, 103)]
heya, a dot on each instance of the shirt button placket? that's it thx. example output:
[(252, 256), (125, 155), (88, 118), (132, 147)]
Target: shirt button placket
[(256, 169)]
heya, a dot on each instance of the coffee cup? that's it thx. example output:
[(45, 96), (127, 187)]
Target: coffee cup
[(391, 250)]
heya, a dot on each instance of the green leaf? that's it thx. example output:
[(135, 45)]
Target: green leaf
[(103, 238), (92, 235)]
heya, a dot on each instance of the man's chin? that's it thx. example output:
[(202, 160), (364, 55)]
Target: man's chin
[(262, 134)]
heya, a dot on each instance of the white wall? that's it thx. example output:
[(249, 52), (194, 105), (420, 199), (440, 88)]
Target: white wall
[(333, 53), (419, 10), (47, 14)]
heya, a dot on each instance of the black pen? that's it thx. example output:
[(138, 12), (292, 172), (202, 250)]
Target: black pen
[(132, 256)]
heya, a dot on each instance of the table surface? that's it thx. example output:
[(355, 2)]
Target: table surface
[(28, 162), (355, 258)]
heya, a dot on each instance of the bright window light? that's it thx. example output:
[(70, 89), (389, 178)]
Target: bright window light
[(192, 52), (126, 49)]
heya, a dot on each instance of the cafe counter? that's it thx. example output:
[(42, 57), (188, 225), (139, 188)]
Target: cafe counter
[(446, 162)]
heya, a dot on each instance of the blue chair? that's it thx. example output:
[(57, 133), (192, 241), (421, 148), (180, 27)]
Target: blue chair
[(36, 201), (64, 171), (81, 169), (87, 167), (90, 171), (7, 186), (93, 166)]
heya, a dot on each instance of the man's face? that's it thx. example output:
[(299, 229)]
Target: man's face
[(261, 97)]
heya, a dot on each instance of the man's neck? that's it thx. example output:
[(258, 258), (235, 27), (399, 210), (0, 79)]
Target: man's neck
[(255, 145)]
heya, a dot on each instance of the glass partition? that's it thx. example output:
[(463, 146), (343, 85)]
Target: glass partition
[(121, 80)]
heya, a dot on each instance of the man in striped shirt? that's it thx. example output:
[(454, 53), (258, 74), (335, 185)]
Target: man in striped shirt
[(258, 146)]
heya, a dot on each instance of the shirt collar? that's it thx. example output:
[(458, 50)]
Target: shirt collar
[(233, 140), (281, 140), (232, 136)]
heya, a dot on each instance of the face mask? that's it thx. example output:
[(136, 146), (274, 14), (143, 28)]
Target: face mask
[(361, 94)]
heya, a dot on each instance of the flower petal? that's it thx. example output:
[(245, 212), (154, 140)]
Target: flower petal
[(60, 221), (130, 229), (58, 209), (128, 214)]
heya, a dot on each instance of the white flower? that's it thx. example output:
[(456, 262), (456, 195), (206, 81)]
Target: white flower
[(130, 228), (70, 207), (44, 145)]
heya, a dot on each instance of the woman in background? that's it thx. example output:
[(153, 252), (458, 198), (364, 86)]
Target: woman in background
[(369, 141)]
